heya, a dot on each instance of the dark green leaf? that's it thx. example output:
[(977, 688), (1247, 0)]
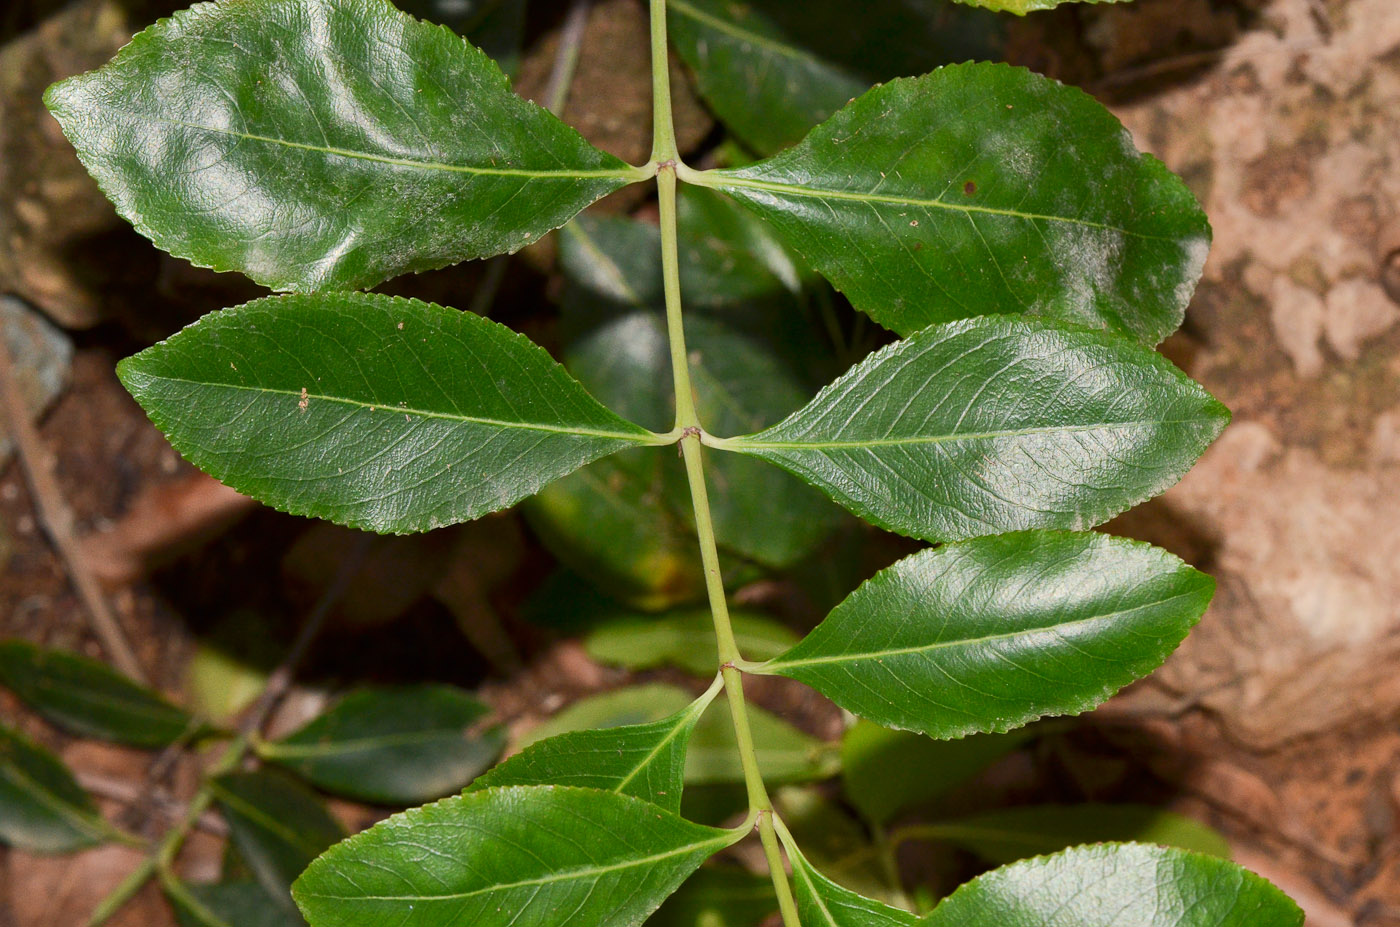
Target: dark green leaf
[(388, 414), (316, 144), (989, 634), (1009, 834), (832, 839), (982, 189), (718, 896), (785, 754), (646, 761), (1022, 7), (392, 746), (88, 698), (276, 823), (1118, 884), (772, 69), (534, 856), (886, 771), (228, 904), (685, 639), (991, 425), (823, 903), (42, 808)]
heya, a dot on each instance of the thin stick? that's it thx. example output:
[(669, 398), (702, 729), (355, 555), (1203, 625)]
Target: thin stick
[(56, 519), (561, 79)]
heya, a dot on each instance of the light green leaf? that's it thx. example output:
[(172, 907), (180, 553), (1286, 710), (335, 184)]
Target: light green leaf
[(1118, 884), (994, 424), (718, 896), (324, 144), (90, 699), (646, 761), (381, 413), (987, 635), (772, 69), (42, 808), (983, 188), (1022, 7), (535, 856), (277, 825), (1008, 834), (228, 904), (784, 753), (685, 639), (886, 771), (392, 746)]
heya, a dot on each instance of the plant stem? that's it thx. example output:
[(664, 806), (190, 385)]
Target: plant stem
[(663, 145)]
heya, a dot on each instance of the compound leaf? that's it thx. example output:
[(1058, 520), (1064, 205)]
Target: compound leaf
[(1008, 834), (531, 856), (381, 413), (277, 825), (989, 634), (990, 425), (88, 698), (324, 144), (1115, 884), (983, 188), (392, 746), (42, 807), (646, 761)]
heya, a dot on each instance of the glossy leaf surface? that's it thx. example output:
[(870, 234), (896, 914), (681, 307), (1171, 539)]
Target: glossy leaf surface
[(646, 761), (392, 746), (277, 824), (324, 144), (1008, 834), (987, 635), (88, 698), (534, 856), (1118, 884), (381, 413), (991, 425), (685, 639), (784, 753), (772, 69), (42, 807), (886, 771), (229, 904), (983, 188)]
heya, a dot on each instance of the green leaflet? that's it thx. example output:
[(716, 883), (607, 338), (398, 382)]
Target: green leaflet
[(42, 808), (718, 896), (685, 639), (1022, 7), (89, 698), (996, 424), (1109, 885), (1118, 884), (392, 746), (533, 856), (228, 904), (979, 189), (772, 69), (277, 825), (1008, 834), (646, 761), (989, 634), (381, 413), (324, 144)]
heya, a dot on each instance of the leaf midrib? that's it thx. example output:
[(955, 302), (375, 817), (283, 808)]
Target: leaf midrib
[(641, 437), (774, 666), (620, 173), (312, 751), (722, 180), (568, 875), (735, 31), (741, 444), (131, 704)]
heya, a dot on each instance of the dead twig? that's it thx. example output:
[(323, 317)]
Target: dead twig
[(56, 519)]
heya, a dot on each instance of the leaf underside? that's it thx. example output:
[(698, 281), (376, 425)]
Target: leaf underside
[(387, 414), (533, 856), (979, 189), (324, 144), (989, 634), (42, 807), (996, 424)]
